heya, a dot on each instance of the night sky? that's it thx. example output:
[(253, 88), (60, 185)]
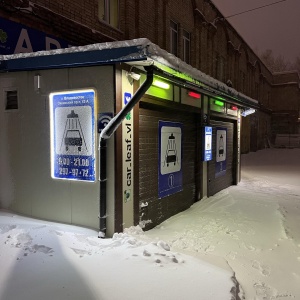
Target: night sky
[(275, 27)]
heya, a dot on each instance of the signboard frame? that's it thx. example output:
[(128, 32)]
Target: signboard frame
[(72, 135), (170, 158), (207, 147)]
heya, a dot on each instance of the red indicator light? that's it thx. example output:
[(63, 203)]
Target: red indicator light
[(194, 95), (234, 108)]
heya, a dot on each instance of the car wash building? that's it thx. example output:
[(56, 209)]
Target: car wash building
[(114, 135)]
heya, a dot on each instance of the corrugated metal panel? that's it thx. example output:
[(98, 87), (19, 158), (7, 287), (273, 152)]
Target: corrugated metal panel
[(159, 210), (216, 184)]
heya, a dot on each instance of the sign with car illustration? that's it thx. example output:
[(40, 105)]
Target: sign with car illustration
[(221, 136), (72, 135), (170, 158)]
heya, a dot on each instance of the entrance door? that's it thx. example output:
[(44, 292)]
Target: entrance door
[(155, 207), (221, 167)]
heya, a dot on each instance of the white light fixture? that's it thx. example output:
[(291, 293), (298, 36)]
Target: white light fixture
[(248, 112), (133, 76)]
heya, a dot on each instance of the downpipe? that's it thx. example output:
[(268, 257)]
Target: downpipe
[(105, 134)]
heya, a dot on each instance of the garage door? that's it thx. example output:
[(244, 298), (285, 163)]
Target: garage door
[(153, 209), (221, 169)]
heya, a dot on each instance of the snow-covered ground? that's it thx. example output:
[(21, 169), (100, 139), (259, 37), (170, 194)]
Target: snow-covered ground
[(254, 226), (250, 231)]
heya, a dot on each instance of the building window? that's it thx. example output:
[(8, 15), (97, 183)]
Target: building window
[(174, 38), (186, 46), (220, 67), (11, 100), (108, 11)]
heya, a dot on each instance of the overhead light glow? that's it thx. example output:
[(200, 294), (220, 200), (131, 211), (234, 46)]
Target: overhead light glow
[(219, 103), (161, 84), (194, 95), (248, 112)]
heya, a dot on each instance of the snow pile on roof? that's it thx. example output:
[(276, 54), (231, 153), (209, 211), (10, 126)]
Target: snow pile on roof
[(92, 47), (150, 50), (177, 64)]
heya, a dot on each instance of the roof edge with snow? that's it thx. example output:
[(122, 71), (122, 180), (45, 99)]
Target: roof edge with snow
[(115, 52)]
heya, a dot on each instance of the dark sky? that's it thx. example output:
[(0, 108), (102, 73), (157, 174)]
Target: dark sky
[(275, 27)]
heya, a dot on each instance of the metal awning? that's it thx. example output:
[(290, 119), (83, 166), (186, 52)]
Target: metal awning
[(56, 60), (139, 53)]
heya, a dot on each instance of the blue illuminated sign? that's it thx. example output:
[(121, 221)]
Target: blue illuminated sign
[(73, 135), (170, 158), (207, 143), (127, 97)]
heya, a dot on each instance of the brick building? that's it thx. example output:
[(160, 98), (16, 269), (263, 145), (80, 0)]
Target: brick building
[(195, 31)]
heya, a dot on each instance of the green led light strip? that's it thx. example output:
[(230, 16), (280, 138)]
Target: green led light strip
[(219, 103)]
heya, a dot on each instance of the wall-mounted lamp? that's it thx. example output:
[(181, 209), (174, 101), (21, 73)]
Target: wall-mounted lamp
[(133, 76), (248, 111), (161, 84), (37, 83)]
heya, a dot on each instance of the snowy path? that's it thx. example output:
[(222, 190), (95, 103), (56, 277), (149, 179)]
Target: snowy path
[(253, 226), (45, 261)]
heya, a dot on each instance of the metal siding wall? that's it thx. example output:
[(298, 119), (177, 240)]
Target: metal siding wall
[(217, 184), (27, 149), (159, 210), (12, 135)]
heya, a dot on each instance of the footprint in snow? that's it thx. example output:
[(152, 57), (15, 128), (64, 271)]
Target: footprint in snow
[(81, 252), (209, 248), (146, 253), (248, 247), (42, 248), (264, 270), (264, 291), (163, 245)]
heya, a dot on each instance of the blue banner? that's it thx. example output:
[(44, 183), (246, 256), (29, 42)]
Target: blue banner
[(18, 38), (72, 135), (170, 158)]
